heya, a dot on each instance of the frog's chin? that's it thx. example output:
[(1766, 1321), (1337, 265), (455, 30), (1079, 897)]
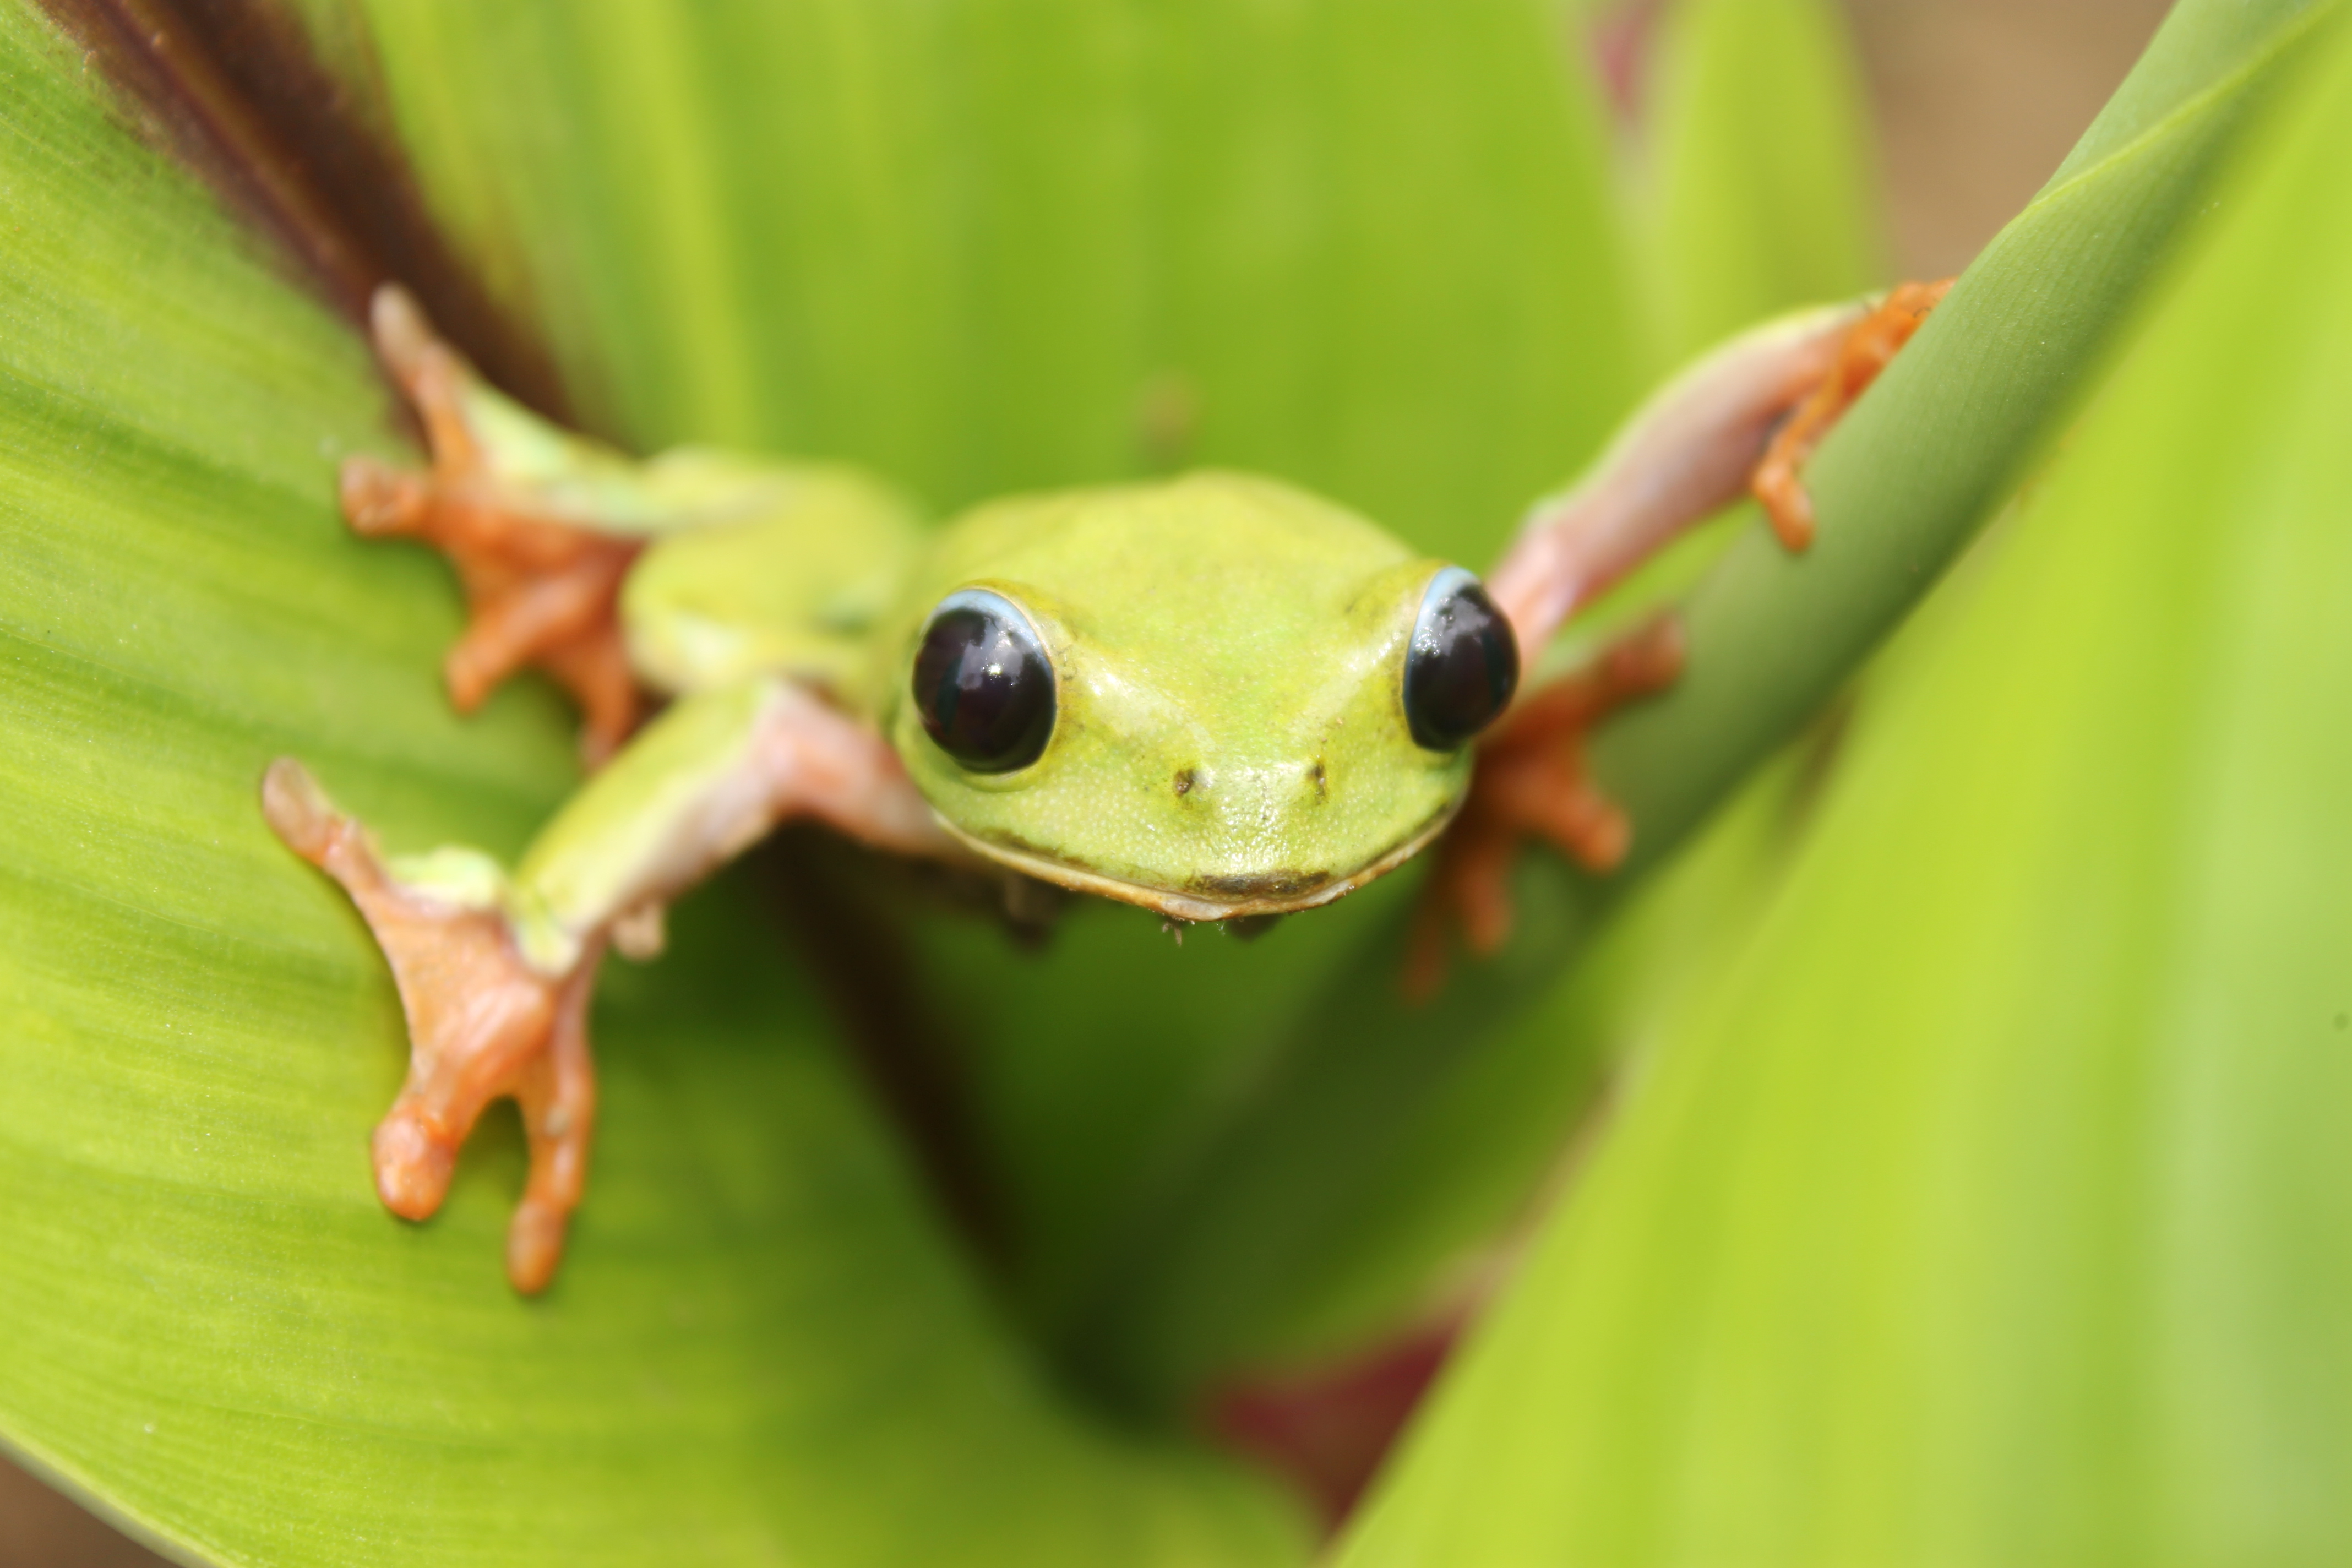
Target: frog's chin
[(1278, 893)]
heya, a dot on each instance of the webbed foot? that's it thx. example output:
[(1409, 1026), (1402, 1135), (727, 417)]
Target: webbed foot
[(1532, 780), (1869, 347), (540, 592), (483, 1024)]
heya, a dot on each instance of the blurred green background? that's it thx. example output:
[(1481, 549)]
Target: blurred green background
[(1949, 1125)]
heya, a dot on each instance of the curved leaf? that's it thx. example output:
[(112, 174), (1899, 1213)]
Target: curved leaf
[(762, 1346), (1993, 1208)]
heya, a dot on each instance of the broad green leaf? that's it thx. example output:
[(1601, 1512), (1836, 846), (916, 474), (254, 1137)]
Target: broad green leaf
[(1756, 190), (763, 1348), (1993, 1208), (1238, 1237)]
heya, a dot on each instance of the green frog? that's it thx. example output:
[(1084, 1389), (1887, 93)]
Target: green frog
[(1217, 696)]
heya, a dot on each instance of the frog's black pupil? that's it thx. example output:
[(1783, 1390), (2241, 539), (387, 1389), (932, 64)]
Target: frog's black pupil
[(983, 689), (1462, 668)]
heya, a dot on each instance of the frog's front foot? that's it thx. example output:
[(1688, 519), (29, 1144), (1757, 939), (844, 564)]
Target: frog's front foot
[(540, 592), (1869, 345), (1531, 782), (483, 1024)]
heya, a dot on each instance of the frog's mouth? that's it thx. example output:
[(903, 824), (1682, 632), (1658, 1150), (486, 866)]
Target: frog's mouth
[(1280, 891)]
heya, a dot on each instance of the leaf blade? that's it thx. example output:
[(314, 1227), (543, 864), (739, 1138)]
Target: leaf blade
[(1991, 1212), (762, 1344)]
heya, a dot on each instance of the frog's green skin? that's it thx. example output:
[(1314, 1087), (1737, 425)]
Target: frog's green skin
[(1228, 654)]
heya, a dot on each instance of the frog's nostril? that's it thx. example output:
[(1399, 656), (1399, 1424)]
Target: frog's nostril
[(1184, 781), (1320, 779)]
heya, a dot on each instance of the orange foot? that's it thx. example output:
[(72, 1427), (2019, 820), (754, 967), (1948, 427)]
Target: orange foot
[(1874, 342), (482, 1025), (539, 593), (1531, 780)]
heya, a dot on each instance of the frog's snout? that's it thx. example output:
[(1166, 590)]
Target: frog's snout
[(1217, 837), (1252, 795), (1249, 822), (1281, 833)]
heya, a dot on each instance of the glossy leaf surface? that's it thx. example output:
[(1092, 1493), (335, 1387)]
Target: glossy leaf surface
[(1991, 1207), (763, 1346)]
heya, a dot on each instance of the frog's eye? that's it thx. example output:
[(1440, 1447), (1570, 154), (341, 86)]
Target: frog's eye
[(1464, 663), (983, 684)]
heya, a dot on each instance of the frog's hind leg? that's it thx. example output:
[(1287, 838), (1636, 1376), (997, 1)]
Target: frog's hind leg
[(1532, 780), (495, 970), (484, 1024), (541, 590)]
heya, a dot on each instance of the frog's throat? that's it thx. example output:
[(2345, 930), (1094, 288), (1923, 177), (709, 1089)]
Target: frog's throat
[(1279, 893)]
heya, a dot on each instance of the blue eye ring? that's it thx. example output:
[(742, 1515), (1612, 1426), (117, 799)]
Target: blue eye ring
[(983, 683), (1461, 667)]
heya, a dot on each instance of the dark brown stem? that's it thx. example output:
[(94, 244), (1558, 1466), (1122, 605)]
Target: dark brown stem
[(232, 88)]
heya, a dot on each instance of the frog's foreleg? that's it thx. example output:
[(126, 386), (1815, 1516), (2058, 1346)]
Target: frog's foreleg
[(495, 971), (1745, 417), (539, 594)]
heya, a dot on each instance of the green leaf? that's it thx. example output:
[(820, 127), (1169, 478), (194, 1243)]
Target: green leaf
[(763, 1347), (1993, 1206), (1369, 247), (1240, 1235)]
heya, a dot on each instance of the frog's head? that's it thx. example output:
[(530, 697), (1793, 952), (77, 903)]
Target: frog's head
[(1213, 697)]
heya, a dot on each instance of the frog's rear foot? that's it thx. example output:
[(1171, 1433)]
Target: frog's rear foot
[(540, 593), (483, 1024)]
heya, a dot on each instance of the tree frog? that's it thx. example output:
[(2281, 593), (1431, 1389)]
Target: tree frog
[(1216, 695)]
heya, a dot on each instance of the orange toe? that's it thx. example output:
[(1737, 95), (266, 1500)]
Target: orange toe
[(540, 593), (483, 1025), (413, 1164), (1778, 482), (1532, 781)]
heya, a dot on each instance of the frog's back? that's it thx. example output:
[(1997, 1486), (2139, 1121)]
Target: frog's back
[(795, 578), (1226, 577)]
